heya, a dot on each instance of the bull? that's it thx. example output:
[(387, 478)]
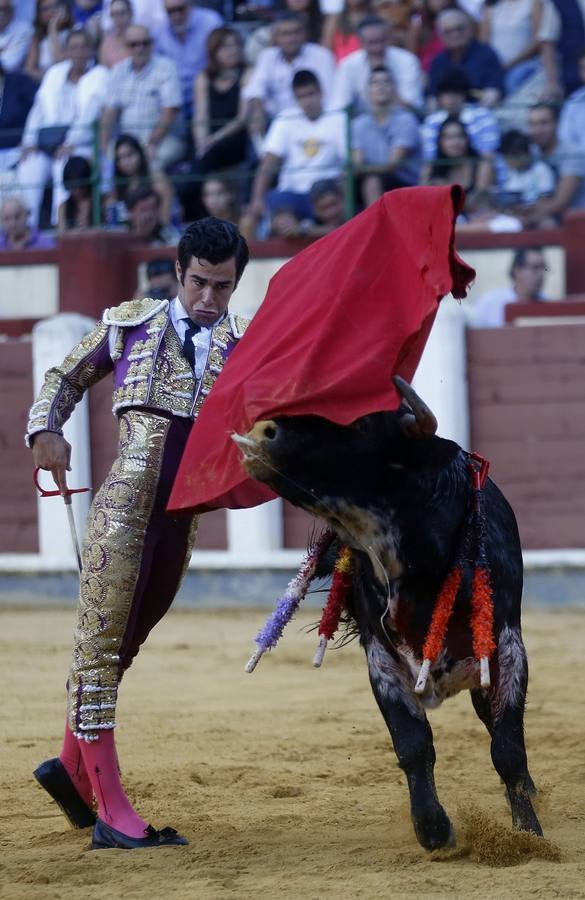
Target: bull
[(401, 498)]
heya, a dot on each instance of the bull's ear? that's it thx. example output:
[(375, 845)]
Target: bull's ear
[(419, 421)]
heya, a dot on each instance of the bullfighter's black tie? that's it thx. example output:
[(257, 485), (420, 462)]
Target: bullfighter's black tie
[(188, 345)]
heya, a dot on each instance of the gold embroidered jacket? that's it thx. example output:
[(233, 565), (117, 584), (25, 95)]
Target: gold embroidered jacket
[(138, 342)]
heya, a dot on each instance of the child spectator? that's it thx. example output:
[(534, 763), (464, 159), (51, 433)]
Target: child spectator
[(385, 140), (521, 178), (113, 47), (51, 26), (328, 208), (74, 213), (483, 214), (454, 99)]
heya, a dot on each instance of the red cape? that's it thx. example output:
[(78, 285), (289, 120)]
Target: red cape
[(338, 320)]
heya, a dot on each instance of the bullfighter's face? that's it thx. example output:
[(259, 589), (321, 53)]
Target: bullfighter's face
[(205, 289)]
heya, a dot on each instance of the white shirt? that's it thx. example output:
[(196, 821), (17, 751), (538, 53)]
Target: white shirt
[(14, 43), (489, 309), (271, 77), (201, 340), (352, 74), (310, 149)]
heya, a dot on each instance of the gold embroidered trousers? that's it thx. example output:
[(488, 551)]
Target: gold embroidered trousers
[(134, 558)]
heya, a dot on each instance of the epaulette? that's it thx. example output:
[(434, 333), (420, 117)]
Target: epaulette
[(134, 312), (238, 325)]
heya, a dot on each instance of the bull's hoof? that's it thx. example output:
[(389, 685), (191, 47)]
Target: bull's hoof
[(434, 832)]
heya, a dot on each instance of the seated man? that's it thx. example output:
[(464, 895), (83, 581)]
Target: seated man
[(269, 90), (384, 141), (566, 160), (144, 99), (351, 76), (462, 51), (306, 144), (527, 275), (161, 277), (15, 233), (144, 219)]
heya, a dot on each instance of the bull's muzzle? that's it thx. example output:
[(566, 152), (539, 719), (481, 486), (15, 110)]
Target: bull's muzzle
[(255, 447)]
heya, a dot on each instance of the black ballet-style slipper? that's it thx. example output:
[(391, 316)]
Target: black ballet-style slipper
[(53, 777), (104, 837)]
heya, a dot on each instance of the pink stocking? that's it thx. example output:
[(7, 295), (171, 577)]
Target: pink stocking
[(114, 807), (73, 764)]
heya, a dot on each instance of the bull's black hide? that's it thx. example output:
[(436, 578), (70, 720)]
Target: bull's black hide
[(403, 504)]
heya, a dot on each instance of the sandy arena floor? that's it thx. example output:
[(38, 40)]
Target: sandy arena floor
[(285, 780)]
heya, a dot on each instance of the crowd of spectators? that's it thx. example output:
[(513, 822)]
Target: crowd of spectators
[(285, 116)]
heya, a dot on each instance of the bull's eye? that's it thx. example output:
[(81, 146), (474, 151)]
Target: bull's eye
[(362, 426), (270, 432)]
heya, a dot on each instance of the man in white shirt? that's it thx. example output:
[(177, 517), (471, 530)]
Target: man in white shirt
[(269, 90), (307, 145), (72, 93), (145, 97), (351, 77), (527, 274)]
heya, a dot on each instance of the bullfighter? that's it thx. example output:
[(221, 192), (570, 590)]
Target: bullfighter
[(165, 357)]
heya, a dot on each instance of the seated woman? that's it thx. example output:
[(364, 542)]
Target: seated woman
[(340, 29), (219, 128), (219, 199), (74, 213), (113, 46), (423, 36), (52, 24), (456, 161), (132, 170)]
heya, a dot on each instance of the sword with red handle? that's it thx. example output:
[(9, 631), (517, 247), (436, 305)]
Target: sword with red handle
[(67, 494)]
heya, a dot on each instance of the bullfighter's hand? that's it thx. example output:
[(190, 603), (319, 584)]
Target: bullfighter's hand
[(52, 452)]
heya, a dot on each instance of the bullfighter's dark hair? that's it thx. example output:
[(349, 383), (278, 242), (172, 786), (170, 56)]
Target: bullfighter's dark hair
[(305, 78), (214, 240)]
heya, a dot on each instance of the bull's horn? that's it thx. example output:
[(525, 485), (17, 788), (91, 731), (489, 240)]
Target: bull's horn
[(425, 419)]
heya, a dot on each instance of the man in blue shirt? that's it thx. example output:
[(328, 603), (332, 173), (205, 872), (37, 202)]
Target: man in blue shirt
[(184, 40), (476, 59)]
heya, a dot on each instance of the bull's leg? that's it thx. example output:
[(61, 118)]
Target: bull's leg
[(508, 749), (413, 743)]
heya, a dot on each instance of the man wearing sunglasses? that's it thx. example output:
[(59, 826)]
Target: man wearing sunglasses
[(183, 38), (144, 99)]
